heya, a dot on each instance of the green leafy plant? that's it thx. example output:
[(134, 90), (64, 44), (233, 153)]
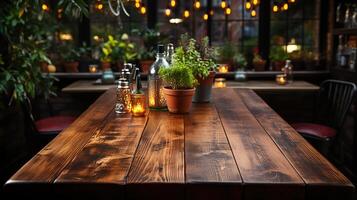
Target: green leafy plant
[(188, 54), (150, 38), (240, 60), (277, 53), (118, 50), (257, 58), (177, 77), (226, 52)]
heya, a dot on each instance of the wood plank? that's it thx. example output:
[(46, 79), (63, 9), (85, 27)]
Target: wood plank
[(322, 178), (46, 165), (265, 171), (159, 159), (211, 171)]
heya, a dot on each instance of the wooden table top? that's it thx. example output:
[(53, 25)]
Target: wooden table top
[(235, 147), (88, 86)]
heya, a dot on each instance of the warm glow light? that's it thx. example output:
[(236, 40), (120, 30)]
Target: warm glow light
[(253, 13), (281, 79), (186, 13), (220, 83), (137, 4), (228, 11), (248, 5), (286, 6), (65, 36), (292, 46), (173, 3), (93, 68), (275, 8), (96, 38), (99, 6), (137, 1), (292, 1), (205, 17), (168, 12), (197, 4), (45, 7), (211, 12), (223, 69), (175, 20), (143, 10), (255, 2), (223, 4)]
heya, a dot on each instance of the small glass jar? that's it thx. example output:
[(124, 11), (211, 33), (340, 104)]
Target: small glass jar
[(138, 105), (123, 102), (281, 79), (93, 68)]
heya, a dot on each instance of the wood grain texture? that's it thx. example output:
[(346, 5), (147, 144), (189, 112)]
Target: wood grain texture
[(46, 165), (211, 170), (319, 174), (160, 154), (259, 160)]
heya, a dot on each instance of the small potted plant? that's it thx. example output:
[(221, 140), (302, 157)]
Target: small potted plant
[(278, 57), (179, 87), (241, 63), (71, 60), (225, 55), (199, 57), (258, 61)]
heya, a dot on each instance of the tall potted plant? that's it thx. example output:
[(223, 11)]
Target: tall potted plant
[(179, 87), (199, 57)]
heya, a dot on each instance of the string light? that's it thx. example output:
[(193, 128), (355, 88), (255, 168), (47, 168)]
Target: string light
[(285, 6), (253, 13), (205, 17), (173, 3), (275, 8), (292, 1), (228, 10), (211, 12), (197, 4), (223, 4), (186, 13), (168, 11), (137, 4), (255, 2), (248, 5), (143, 9), (45, 7)]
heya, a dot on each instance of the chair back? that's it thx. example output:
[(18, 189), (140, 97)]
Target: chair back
[(334, 101)]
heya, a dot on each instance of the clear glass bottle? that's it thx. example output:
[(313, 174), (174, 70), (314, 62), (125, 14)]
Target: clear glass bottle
[(288, 71), (170, 50), (155, 83)]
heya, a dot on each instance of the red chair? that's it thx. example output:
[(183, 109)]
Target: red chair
[(40, 132), (334, 100)]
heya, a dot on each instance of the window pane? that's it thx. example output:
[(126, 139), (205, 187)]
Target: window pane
[(235, 31), (278, 31), (311, 30), (312, 11), (250, 33), (295, 10), (218, 30), (295, 32), (236, 6)]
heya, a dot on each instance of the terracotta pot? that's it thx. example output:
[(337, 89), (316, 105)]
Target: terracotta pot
[(259, 66), (278, 65), (204, 89), (71, 66), (145, 65), (105, 65), (178, 101)]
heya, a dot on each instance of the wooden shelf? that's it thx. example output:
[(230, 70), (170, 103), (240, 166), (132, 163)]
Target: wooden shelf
[(346, 31)]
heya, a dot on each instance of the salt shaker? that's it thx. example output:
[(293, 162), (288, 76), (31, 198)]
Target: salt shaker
[(123, 101)]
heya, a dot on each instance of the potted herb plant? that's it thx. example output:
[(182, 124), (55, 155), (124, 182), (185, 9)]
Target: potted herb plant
[(179, 87), (278, 57), (241, 63), (225, 55), (71, 60), (199, 57)]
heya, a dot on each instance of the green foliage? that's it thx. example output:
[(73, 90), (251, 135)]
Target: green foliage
[(118, 50), (227, 51), (26, 29), (240, 60), (277, 53), (188, 54), (257, 58), (178, 77)]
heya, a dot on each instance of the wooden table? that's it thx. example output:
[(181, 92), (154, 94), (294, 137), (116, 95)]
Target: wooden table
[(87, 86), (235, 148)]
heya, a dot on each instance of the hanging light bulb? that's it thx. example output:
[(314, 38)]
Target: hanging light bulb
[(143, 9), (292, 1), (248, 5), (228, 10), (186, 13), (197, 4), (45, 7), (253, 13), (205, 16), (173, 3), (275, 7), (211, 12), (223, 4), (285, 6), (255, 2), (137, 4), (167, 11)]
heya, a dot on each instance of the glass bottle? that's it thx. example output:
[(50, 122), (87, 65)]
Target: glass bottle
[(288, 71), (347, 16), (155, 83), (339, 50), (170, 52), (123, 101), (138, 100)]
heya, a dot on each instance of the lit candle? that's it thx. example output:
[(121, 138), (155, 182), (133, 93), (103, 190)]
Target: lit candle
[(93, 68), (138, 99), (281, 79), (223, 69), (220, 83)]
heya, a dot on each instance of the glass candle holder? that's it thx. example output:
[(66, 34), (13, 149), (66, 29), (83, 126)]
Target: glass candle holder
[(220, 83), (123, 103), (281, 79), (223, 68), (138, 105), (93, 68)]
